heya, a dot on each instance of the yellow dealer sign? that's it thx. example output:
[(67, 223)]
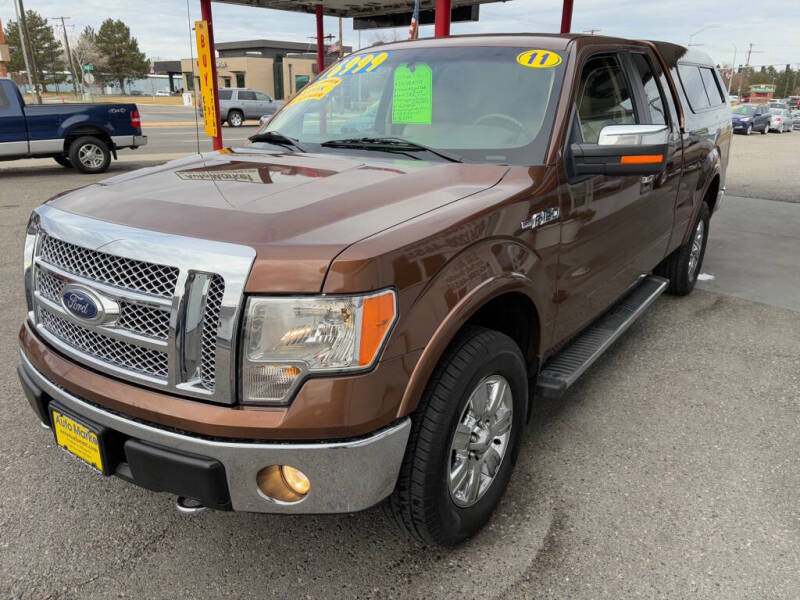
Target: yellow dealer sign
[(207, 82)]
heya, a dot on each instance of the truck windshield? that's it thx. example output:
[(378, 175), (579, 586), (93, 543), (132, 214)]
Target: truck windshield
[(481, 104)]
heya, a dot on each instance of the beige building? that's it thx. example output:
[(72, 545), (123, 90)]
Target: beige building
[(4, 58), (277, 68)]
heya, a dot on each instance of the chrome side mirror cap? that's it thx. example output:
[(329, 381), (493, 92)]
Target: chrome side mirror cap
[(633, 135)]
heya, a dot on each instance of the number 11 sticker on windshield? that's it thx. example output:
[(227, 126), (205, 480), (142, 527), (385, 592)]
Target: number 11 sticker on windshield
[(539, 59)]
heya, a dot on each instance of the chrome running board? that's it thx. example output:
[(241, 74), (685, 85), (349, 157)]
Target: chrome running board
[(564, 368)]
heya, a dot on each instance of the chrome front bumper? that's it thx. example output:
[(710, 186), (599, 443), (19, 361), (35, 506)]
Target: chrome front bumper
[(345, 476)]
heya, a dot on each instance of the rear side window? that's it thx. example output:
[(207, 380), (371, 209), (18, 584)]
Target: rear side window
[(3, 98), (692, 83), (655, 104), (225, 94), (246, 95), (712, 86), (604, 97)]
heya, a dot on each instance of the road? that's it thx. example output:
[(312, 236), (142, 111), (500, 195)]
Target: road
[(669, 471)]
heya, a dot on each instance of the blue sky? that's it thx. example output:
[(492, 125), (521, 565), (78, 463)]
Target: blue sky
[(161, 26)]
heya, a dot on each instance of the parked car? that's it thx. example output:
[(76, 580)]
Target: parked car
[(317, 322), (162, 93), (135, 93), (748, 118), (796, 119), (780, 120), (83, 136), (238, 104)]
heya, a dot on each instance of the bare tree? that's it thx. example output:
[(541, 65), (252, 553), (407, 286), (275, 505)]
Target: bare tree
[(85, 52)]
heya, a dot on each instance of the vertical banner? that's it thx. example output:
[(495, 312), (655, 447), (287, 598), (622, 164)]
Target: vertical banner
[(207, 82)]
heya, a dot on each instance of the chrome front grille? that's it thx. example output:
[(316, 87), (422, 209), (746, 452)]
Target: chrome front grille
[(208, 344), (125, 273), (168, 305), (122, 354)]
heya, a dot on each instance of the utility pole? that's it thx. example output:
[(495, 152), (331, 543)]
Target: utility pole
[(69, 55), (341, 44), (747, 63), (733, 70), (23, 22), (24, 47), (591, 31)]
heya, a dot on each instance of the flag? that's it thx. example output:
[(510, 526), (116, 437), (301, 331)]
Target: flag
[(413, 31)]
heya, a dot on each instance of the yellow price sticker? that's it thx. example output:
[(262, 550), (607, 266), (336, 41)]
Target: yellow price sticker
[(539, 59), (317, 90), (357, 64)]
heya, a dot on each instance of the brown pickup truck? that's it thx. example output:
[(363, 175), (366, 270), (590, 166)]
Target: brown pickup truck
[(362, 303)]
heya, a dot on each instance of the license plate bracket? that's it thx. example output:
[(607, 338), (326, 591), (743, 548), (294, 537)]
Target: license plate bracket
[(83, 439)]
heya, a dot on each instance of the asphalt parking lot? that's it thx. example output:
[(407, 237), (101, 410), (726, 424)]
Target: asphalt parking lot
[(671, 470)]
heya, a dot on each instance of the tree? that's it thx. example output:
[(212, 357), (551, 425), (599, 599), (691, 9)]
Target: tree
[(85, 52), (46, 49), (123, 60)]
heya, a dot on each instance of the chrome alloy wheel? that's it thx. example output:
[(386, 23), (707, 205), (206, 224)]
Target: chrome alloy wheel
[(91, 156), (697, 249), (480, 440)]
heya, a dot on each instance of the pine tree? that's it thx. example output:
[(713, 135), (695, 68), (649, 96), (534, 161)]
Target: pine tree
[(123, 59), (47, 51)]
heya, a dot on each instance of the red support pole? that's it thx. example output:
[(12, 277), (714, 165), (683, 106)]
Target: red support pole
[(320, 41), (566, 16), (442, 27), (205, 14)]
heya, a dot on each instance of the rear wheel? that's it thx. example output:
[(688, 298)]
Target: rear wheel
[(464, 439), (235, 118), (683, 266), (89, 154), (63, 161)]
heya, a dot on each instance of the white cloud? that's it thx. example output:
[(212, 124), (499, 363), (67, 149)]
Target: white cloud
[(162, 27)]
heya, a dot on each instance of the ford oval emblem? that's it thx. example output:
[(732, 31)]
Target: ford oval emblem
[(81, 304)]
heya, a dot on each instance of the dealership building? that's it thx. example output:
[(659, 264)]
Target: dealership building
[(275, 67)]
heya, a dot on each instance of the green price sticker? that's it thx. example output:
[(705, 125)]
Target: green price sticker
[(412, 101)]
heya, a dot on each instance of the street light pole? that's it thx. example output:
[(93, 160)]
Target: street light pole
[(23, 37)]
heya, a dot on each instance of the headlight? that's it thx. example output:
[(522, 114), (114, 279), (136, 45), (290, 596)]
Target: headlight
[(744, 119), (286, 339), (27, 257)]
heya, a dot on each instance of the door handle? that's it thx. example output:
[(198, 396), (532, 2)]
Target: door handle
[(647, 179)]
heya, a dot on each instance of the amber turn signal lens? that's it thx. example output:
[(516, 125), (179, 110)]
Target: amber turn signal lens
[(378, 316), (283, 483), (641, 159)]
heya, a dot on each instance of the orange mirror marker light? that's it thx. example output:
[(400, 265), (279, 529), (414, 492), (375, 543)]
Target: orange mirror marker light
[(641, 159), (378, 316)]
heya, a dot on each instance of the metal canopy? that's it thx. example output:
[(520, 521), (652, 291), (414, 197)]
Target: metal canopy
[(350, 8)]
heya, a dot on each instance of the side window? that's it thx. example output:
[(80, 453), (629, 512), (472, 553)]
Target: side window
[(673, 111), (262, 97), (242, 95), (225, 94), (655, 104), (712, 87), (693, 86), (604, 97), (4, 103)]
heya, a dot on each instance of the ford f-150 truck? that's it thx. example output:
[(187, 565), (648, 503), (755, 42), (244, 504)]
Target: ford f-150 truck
[(83, 136), (353, 310)]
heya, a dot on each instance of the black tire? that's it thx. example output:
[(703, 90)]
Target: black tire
[(235, 118), (63, 161), (676, 266), (422, 503), (89, 154), (765, 131), (749, 130)]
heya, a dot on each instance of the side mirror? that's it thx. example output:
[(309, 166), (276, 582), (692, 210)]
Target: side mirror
[(623, 150)]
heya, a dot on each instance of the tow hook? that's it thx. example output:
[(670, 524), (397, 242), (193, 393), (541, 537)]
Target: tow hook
[(187, 506)]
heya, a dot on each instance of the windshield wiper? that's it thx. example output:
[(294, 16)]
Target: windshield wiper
[(277, 138), (389, 144)]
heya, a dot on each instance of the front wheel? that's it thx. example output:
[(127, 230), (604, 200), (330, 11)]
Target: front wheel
[(683, 266), (464, 439), (749, 130), (766, 130), (89, 154)]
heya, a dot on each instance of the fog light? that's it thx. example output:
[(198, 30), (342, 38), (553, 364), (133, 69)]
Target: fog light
[(296, 480), (283, 483)]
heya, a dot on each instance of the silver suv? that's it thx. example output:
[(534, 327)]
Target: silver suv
[(238, 104)]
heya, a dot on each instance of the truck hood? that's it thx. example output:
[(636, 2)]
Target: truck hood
[(298, 211)]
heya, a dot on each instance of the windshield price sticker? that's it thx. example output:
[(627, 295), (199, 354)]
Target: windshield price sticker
[(412, 97), (539, 59), (357, 64), (317, 90)]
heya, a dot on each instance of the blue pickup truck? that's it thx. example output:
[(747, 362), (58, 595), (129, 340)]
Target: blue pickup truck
[(80, 136)]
